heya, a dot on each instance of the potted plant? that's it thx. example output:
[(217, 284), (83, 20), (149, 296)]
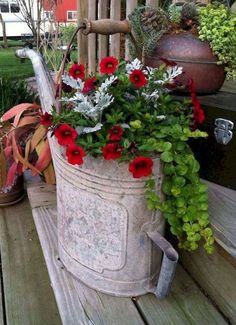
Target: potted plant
[(199, 38), (118, 144), (23, 145)]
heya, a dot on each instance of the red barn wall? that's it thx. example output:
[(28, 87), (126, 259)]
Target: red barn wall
[(62, 7)]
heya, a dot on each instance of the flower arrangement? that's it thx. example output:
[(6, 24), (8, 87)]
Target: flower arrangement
[(126, 113), (214, 23)]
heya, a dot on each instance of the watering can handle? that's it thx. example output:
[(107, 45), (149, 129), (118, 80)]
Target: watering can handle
[(168, 265), (105, 26)]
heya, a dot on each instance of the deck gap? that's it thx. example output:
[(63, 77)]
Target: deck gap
[(135, 302), (206, 294), (2, 293)]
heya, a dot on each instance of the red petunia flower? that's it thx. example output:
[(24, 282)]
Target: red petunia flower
[(46, 119), (198, 113), (77, 71), (108, 65), (141, 167), (112, 151), (115, 133), (65, 134), (75, 154), (89, 85), (138, 78)]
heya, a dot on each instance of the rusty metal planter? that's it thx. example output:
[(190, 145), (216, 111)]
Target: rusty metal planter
[(196, 58)]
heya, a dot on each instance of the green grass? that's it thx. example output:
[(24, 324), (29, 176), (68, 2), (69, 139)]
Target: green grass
[(13, 67)]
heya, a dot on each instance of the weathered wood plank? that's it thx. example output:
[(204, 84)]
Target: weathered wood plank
[(152, 3), (102, 39), (229, 86), (222, 207), (2, 322), (77, 303), (217, 276), (185, 305), (82, 7), (28, 295), (92, 48), (115, 39)]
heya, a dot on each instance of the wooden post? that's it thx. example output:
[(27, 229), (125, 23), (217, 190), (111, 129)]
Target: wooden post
[(153, 3), (3, 31), (91, 38), (130, 5), (82, 39), (102, 39), (115, 39)]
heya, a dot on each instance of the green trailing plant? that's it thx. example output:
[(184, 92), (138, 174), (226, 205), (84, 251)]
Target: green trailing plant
[(217, 25), (214, 23), (127, 113)]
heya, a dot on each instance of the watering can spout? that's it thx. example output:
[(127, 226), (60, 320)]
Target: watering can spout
[(45, 84)]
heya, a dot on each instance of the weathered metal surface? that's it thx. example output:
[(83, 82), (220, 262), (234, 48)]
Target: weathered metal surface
[(196, 58), (101, 212)]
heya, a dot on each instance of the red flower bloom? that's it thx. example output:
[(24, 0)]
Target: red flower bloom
[(46, 119), (115, 133), (89, 85), (75, 154), (138, 78), (65, 134), (112, 151), (108, 65), (77, 71), (198, 113), (141, 167)]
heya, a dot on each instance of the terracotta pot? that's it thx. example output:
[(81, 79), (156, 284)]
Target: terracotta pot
[(105, 231), (14, 195), (196, 58)]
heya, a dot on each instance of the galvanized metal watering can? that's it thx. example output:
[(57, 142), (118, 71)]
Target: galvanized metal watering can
[(106, 236)]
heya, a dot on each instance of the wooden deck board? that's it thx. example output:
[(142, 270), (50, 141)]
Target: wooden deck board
[(29, 299), (185, 305), (79, 304), (1, 301), (217, 276), (222, 207)]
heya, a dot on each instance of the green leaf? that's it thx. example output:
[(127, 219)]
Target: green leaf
[(178, 181), (181, 169), (166, 187), (166, 146), (175, 191), (167, 156), (168, 169)]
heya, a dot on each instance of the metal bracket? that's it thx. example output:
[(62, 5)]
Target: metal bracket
[(222, 131)]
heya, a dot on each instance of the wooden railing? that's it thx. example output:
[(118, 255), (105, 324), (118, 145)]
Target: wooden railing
[(93, 48)]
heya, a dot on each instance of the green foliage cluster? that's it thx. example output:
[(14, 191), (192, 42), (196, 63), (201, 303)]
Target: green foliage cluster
[(217, 25), (157, 127), (147, 37), (214, 23), (13, 92), (66, 33)]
